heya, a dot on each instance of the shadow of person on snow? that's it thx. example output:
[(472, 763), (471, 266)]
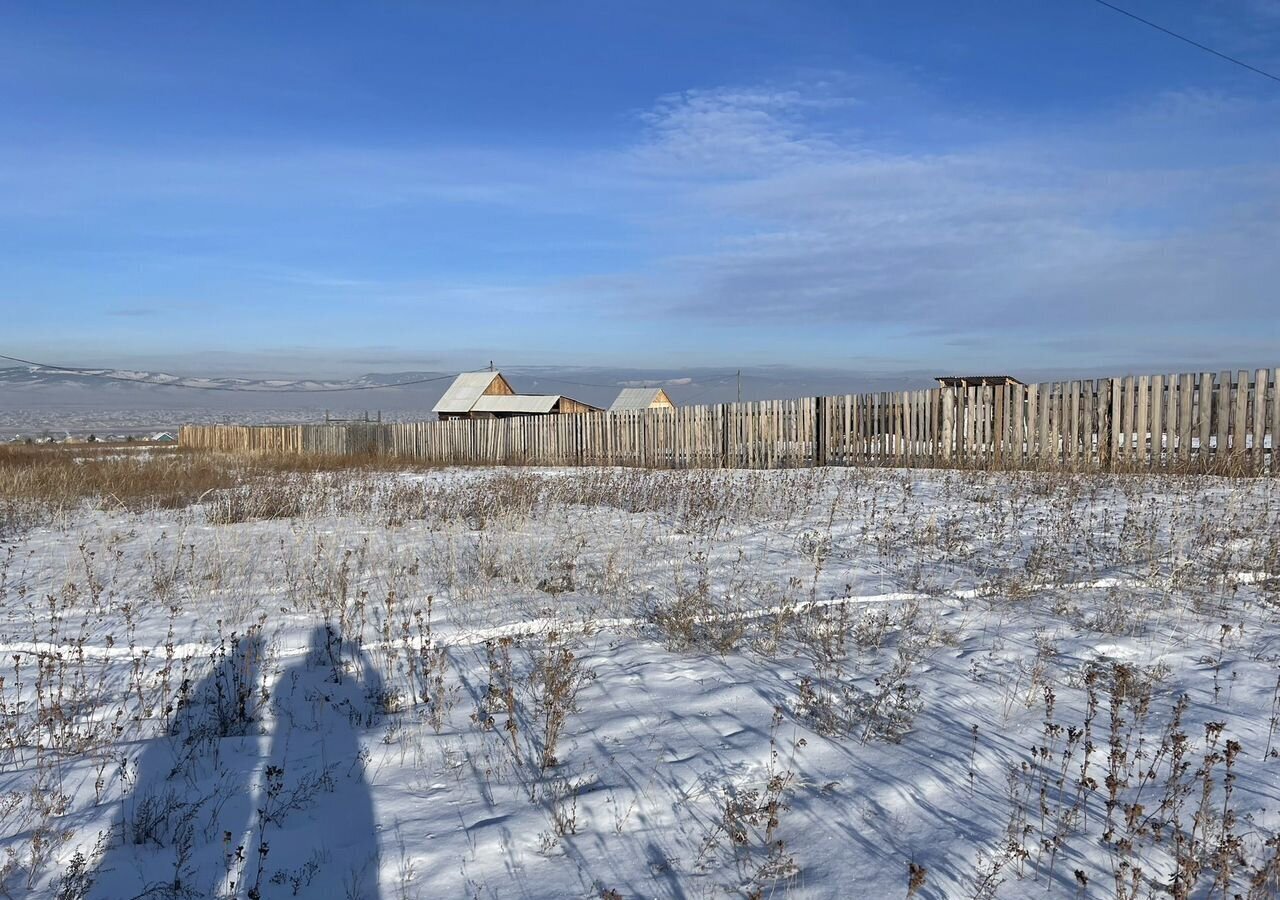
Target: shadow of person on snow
[(203, 818), (315, 834), (190, 787)]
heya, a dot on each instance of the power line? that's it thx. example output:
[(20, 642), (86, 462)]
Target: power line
[(709, 386), (653, 382), (105, 376), (565, 380), (1187, 40)]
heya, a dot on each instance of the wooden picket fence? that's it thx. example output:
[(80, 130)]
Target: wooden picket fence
[(1192, 422)]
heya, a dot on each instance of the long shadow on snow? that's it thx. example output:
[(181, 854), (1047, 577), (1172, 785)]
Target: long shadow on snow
[(316, 835), (190, 787), (181, 831)]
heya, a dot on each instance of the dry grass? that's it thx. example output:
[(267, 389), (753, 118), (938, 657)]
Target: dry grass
[(60, 480), (40, 483)]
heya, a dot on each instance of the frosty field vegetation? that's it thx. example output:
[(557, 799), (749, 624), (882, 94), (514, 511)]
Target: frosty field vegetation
[(246, 679)]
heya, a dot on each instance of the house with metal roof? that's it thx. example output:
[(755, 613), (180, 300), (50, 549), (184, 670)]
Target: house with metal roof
[(487, 395), (633, 398), (468, 388)]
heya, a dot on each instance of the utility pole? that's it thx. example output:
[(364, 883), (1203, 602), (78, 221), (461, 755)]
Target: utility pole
[(739, 385)]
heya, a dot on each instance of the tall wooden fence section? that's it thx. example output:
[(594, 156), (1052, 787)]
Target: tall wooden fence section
[(1192, 422)]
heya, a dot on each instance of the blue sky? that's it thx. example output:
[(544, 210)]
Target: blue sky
[(326, 189)]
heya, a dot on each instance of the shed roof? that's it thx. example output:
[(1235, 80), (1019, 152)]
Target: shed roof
[(516, 403), (636, 398), (466, 389), (976, 380)]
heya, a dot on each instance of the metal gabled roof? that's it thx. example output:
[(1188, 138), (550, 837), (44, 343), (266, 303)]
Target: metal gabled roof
[(975, 380), (635, 398), (466, 389), (516, 403)]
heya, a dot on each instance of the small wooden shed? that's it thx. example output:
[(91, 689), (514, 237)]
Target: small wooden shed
[(967, 381), (466, 390), (631, 399)]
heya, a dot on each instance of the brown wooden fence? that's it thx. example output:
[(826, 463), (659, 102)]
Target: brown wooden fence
[(1191, 422)]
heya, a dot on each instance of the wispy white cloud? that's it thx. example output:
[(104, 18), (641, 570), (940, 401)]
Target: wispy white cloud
[(728, 132), (1076, 230)]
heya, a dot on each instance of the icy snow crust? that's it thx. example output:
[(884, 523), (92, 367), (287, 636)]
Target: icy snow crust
[(776, 683)]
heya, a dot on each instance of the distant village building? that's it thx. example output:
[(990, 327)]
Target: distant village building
[(632, 399), (487, 395), (968, 381), (163, 437), (468, 388)]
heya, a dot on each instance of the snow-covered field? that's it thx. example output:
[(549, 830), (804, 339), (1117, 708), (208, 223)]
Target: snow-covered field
[(615, 683)]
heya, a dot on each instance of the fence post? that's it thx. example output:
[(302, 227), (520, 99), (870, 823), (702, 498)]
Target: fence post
[(819, 433), (724, 435), (1104, 424)]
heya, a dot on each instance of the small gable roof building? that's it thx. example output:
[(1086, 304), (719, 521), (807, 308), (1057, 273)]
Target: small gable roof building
[(976, 380), (466, 391), (631, 399)]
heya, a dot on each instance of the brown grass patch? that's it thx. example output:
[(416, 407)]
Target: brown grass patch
[(41, 482), (59, 480)]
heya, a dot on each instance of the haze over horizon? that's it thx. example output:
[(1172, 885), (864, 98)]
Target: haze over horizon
[(832, 187)]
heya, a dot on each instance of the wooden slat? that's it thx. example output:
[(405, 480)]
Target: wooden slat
[(1117, 423), (1088, 423), (1204, 421), (1058, 429), (1128, 405), (1142, 400), (1156, 423), (1033, 424), (997, 425), (1275, 422), (1258, 427), (1222, 419), (971, 430), (1043, 455), (1240, 419), (1019, 412)]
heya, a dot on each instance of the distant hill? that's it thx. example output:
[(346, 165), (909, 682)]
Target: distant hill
[(40, 376)]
